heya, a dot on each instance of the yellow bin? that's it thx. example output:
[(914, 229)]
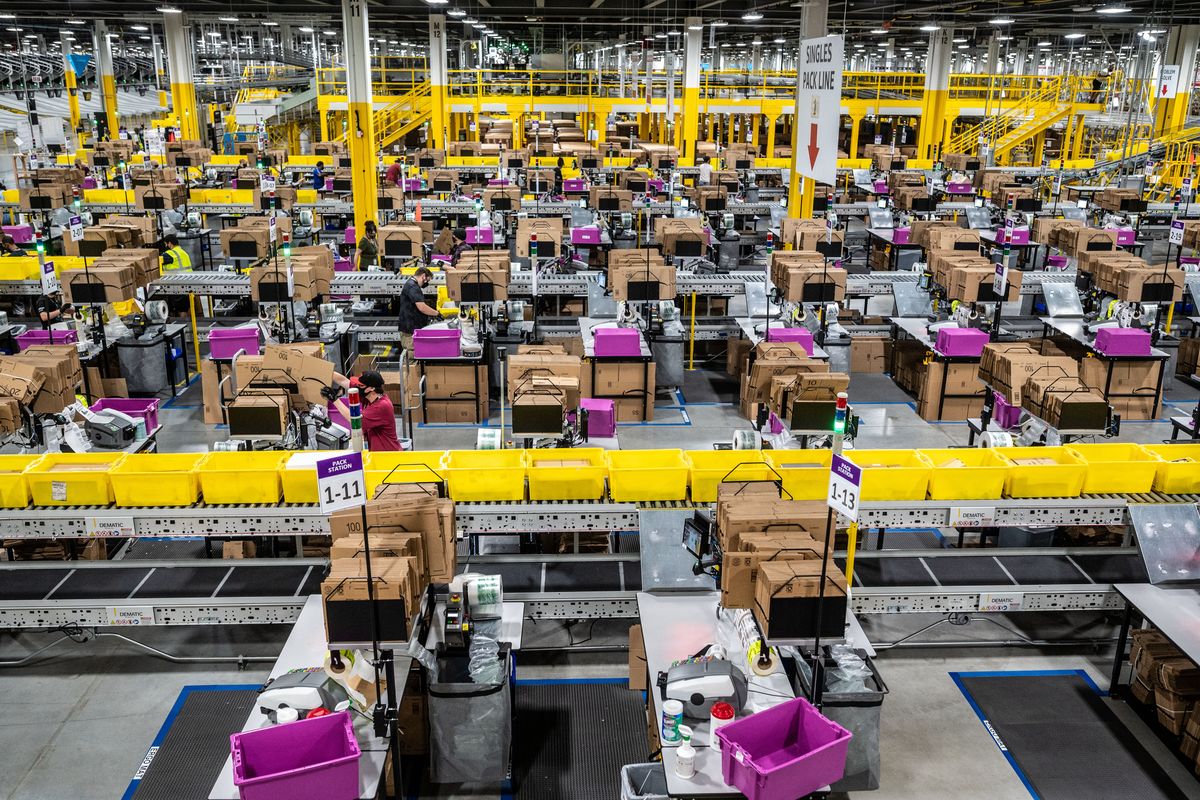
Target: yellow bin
[(1178, 471), (1063, 478), (575, 474), (707, 469), (157, 479), (805, 472), (14, 485), (980, 475), (646, 475), (299, 475), (72, 479), (403, 466), (242, 478), (486, 474), (892, 474), (1115, 468)]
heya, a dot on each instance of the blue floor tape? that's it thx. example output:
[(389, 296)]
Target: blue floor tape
[(166, 726)]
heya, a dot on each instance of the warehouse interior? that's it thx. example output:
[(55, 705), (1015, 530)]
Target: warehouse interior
[(599, 399)]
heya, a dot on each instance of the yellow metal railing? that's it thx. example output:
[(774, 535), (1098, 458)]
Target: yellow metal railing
[(1004, 119)]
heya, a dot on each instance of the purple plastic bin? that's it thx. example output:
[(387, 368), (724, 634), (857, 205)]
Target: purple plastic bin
[(437, 343), (961, 341), (1058, 262), (801, 335), (1003, 414), (349, 237), (776, 424), (147, 409), (1125, 236), (1123, 342), (477, 235), (311, 759), (900, 235), (784, 752), (343, 265), (656, 184), (441, 258), (412, 184), (602, 418), (618, 342), (880, 187), (574, 185), (1189, 261), (89, 183), (329, 184), (22, 234), (225, 342), (499, 182), (1019, 235), (52, 336), (588, 234), (959, 188)]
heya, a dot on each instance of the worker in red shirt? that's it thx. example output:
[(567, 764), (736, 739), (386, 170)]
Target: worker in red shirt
[(378, 414), (394, 174)]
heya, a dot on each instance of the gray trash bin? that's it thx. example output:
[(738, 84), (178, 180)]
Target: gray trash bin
[(643, 782), (859, 713), (143, 363), (470, 723)]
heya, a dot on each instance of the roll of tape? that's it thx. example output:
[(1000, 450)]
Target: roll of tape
[(487, 439)]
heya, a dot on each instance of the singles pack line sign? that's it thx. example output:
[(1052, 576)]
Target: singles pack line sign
[(819, 107)]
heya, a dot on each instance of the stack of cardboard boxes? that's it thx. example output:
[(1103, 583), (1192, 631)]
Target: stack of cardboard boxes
[(312, 272), (767, 361), (805, 276), (1131, 279), (160, 196), (1007, 367), (453, 392), (546, 371), (1077, 240), (549, 234), (109, 283), (1137, 379), (1164, 677), (301, 363), (913, 373), (190, 151), (806, 402), (640, 266), (251, 237), (1049, 231), (688, 231), (410, 530), (42, 377), (1057, 396), (1116, 199), (772, 556)]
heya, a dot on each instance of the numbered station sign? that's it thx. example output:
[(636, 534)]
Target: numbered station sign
[(341, 483), (845, 480)]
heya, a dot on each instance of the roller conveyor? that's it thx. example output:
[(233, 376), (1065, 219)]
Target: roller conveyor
[(127, 593), (1001, 579), (595, 586)]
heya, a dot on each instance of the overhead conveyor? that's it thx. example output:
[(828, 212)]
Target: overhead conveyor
[(134, 593)]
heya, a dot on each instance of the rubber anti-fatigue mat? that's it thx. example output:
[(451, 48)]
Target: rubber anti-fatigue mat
[(1063, 741), (196, 745), (570, 739)]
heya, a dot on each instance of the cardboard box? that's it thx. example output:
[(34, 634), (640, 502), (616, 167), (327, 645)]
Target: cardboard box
[(1153, 284), (824, 283), (638, 671), (1138, 377), (955, 239), (648, 271), (386, 542), (239, 549), (115, 284), (1006, 367), (868, 354), (1188, 358), (672, 232), (547, 230), (20, 380), (755, 513), (739, 569), (603, 198), (1076, 240), (261, 412), (398, 510), (160, 196), (345, 598), (1064, 402), (511, 193), (787, 594), (480, 267)]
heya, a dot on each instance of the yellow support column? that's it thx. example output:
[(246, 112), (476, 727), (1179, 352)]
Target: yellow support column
[(937, 85), (160, 72), (1077, 142), (855, 124), (364, 171), (754, 128), (183, 88), (1039, 148), (1170, 114), (437, 80), (689, 129), (108, 82), (771, 136), (72, 86)]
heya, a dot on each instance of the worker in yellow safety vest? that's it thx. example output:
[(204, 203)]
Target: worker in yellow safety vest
[(174, 257)]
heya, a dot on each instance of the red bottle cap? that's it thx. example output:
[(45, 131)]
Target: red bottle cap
[(317, 712), (722, 711)]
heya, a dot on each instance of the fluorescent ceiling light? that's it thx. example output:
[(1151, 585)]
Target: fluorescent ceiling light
[(1073, 36), (14, 30), (879, 31), (781, 40), (1004, 38), (672, 33), (719, 23), (168, 10), (753, 15), (144, 38), (228, 19), (1044, 44), (1000, 21), (329, 33), (695, 27), (76, 22), (470, 21), (456, 12), (270, 23), (660, 36), (964, 46), (437, 2), (930, 27), (1117, 9), (214, 34), (306, 30), (756, 42), (139, 27), (7, 15)]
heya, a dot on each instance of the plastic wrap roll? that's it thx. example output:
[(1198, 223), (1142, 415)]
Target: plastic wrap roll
[(487, 439)]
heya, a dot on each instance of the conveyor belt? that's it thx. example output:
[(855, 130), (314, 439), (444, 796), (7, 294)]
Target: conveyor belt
[(1026, 579), (586, 586), (216, 592)]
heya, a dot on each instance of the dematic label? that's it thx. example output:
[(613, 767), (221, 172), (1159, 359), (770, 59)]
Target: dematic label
[(129, 616), (110, 526), (973, 517)]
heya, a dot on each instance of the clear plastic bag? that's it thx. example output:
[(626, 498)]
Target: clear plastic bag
[(484, 665), (850, 673)]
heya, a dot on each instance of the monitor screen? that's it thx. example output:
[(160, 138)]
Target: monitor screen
[(589, 163), (637, 187), (401, 248), (516, 163), (819, 293), (385, 202), (1029, 205), (153, 202), (274, 291), (342, 185), (443, 185), (101, 161), (545, 249), (425, 161), (85, 293), (183, 161), (41, 202), (92, 248)]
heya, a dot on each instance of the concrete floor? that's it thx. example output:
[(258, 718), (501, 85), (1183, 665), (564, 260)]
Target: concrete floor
[(79, 725)]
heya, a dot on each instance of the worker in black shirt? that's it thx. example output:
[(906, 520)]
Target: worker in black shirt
[(9, 247), (415, 313), (49, 310)]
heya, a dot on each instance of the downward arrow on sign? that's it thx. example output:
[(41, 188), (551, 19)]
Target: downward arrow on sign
[(812, 145)]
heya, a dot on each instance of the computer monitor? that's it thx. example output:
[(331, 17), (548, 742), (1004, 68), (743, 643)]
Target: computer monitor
[(274, 291), (546, 248), (269, 161), (637, 187), (818, 293), (1154, 291), (829, 249), (820, 204), (541, 419), (974, 164), (1136, 206), (41, 202), (924, 204), (478, 291), (609, 203), (643, 291), (183, 161), (101, 161), (516, 163), (384, 201), (1029, 205), (343, 185), (689, 248), (243, 249), (88, 293), (399, 248)]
